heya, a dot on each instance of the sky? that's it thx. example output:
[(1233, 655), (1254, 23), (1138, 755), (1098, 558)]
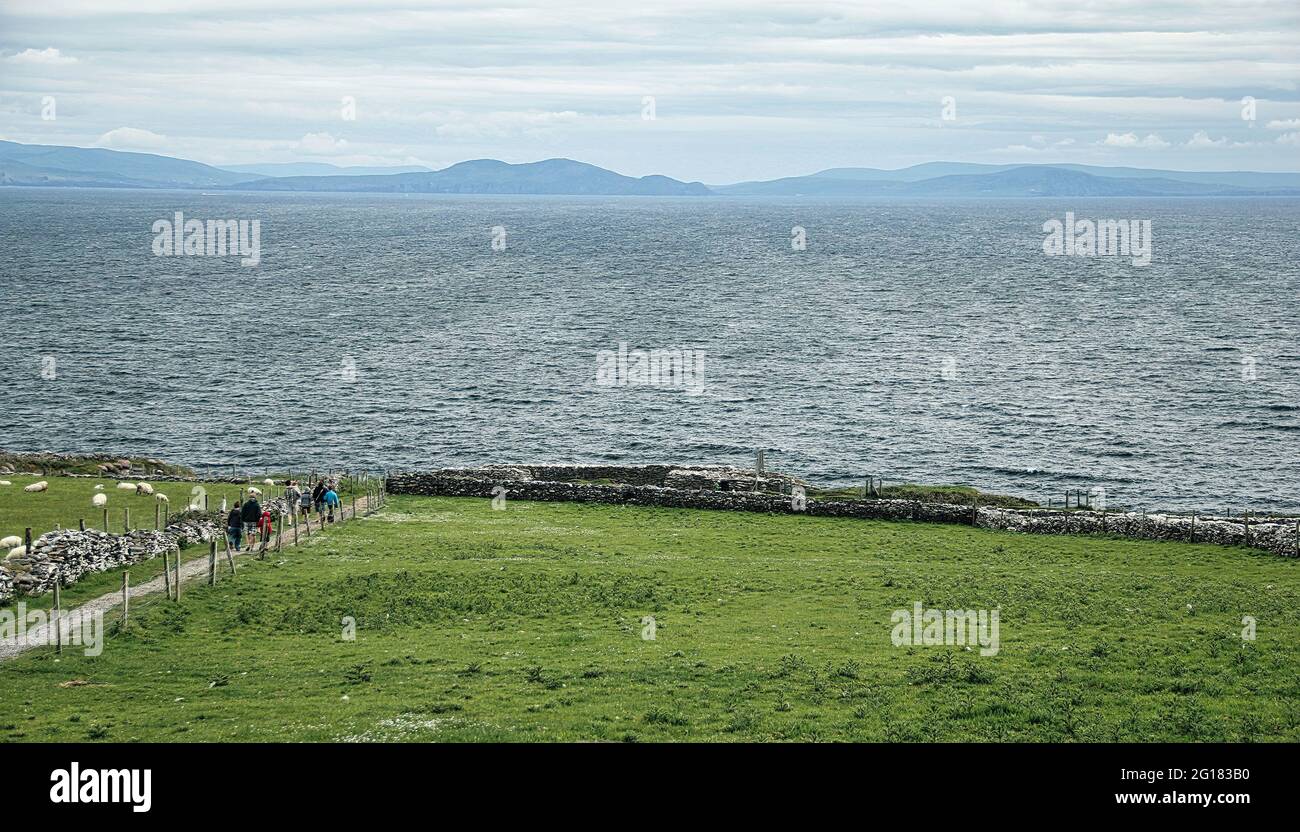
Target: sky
[(709, 90)]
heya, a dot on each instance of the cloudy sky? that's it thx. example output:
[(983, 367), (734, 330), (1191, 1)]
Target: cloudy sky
[(740, 90)]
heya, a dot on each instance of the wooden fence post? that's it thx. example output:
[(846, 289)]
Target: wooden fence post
[(167, 572), (230, 557), (157, 515), (57, 618), (177, 562), (81, 522), (106, 529), (126, 520), (126, 596), (27, 541), (212, 562), (1191, 533), (295, 528), (1246, 522)]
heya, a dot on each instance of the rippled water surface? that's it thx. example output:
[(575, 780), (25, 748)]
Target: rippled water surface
[(929, 342)]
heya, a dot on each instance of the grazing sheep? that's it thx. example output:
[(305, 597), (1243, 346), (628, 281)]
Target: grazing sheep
[(37, 486), (99, 487), (18, 552), (143, 489), (99, 499), (126, 486), (256, 492), (5, 482), (268, 481), (10, 541), (162, 498)]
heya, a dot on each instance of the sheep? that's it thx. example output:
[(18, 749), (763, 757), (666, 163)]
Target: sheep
[(18, 552), (162, 498), (268, 481), (256, 492), (143, 489), (99, 500), (5, 482), (37, 486), (126, 486), (10, 541), (99, 487)]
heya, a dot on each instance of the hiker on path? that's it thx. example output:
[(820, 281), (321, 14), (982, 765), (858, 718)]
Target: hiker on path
[(264, 527), (235, 526), (318, 496), (291, 495), (252, 512), (304, 502), (332, 500)]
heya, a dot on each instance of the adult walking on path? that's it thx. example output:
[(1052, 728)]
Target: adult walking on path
[(252, 514), (332, 500), (235, 526), (292, 493), (318, 496)]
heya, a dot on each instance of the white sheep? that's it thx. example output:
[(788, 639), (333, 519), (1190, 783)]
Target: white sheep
[(268, 481), (99, 487), (162, 498), (37, 486), (126, 486), (143, 489), (10, 541), (256, 492), (99, 500), (18, 552), (5, 482)]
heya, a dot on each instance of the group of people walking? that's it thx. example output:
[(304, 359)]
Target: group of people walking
[(249, 524)]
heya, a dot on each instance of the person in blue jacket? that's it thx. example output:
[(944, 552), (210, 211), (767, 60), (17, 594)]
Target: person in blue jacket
[(332, 501)]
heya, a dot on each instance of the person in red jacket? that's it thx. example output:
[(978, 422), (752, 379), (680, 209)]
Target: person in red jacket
[(264, 527)]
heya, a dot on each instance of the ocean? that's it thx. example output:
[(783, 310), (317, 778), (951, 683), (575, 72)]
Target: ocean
[(929, 341)]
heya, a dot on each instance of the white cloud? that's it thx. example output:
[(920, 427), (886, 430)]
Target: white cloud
[(132, 138), (1152, 141), (49, 57), (1289, 138), (1283, 124), (321, 144), (1202, 139)]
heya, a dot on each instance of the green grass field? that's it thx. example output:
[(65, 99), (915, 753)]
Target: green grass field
[(527, 624)]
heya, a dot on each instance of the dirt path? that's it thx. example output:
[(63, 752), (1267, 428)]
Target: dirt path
[(197, 568)]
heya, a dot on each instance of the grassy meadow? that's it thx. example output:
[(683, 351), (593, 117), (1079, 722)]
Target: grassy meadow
[(527, 624)]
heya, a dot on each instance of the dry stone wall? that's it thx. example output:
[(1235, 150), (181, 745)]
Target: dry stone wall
[(1278, 535), (74, 553)]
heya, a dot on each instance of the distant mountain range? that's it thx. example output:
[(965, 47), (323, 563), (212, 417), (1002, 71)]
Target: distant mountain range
[(41, 164), (970, 179), (56, 166), (489, 176)]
